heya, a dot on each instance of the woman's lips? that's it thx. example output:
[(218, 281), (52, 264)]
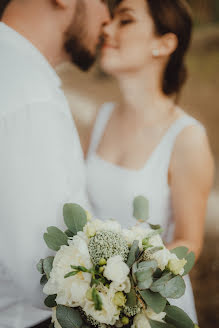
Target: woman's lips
[(108, 46)]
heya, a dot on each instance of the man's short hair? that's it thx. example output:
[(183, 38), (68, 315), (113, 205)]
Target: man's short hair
[(3, 5)]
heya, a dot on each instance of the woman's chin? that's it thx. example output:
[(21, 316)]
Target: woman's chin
[(107, 67)]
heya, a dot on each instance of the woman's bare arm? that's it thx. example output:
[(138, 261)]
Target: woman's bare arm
[(191, 177)]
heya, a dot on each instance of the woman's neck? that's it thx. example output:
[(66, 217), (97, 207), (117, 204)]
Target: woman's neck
[(143, 98)]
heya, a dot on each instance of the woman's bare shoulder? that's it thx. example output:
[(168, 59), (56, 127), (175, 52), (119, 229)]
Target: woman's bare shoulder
[(192, 154)]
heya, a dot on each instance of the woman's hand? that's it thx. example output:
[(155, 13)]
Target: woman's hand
[(190, 177)]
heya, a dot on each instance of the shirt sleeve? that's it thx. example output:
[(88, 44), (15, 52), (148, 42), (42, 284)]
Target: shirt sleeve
[(38, 174)]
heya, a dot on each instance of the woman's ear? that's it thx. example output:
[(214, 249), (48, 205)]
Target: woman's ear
[(168, 44)]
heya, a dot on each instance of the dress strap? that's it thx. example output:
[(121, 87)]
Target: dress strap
[(177, 127), (100, 125), (165, 149)]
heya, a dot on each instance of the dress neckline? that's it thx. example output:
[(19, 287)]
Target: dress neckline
[(152, 154)]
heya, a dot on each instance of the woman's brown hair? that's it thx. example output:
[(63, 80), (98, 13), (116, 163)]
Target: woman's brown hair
[(172, 16)]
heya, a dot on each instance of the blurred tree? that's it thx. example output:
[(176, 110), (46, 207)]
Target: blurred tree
[(205, 10), (216, 10)]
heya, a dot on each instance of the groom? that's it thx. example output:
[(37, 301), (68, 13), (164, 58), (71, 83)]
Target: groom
[(41, 165)]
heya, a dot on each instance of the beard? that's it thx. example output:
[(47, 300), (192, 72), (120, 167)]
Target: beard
[(80, 55), (75, 46)]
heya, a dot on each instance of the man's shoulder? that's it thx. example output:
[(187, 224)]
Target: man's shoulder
[(20, 82)]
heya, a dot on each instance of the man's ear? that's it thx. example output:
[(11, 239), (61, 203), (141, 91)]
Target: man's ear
[(168, 44), (64, 3)]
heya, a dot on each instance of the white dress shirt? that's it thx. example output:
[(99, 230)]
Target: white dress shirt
[(41, 168)]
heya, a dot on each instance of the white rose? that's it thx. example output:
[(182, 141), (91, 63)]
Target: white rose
[(177, 266), (136, 233), (116, 270), (156, 241), (109, 313), (112, 225), (129, 236), (82, 235), (141, 320), (70, 291), (154, 316), (122, 287), (163, 257), (91, 228)]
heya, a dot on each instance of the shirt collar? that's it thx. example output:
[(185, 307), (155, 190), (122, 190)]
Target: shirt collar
[(10, 35)]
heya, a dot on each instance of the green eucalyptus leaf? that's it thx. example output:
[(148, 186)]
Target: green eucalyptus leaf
[(144, 274), (43, 280), (75, 217), (174, 288), (159, 284), (131, 298), (190, 258), (180, 252), (178, 317), (154, 300), (68, 317), (50, 301), (134, 270), (134, 251), (47, 265), (141, 208), (158, 273), (148, 264), (69, 233), (55, 238), (158, 324), (142, 285), (40, 266)]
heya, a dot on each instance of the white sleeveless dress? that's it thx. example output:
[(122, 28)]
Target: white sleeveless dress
[(112, 188)]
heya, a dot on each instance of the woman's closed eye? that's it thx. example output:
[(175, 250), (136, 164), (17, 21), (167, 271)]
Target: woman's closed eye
[(126, 21)]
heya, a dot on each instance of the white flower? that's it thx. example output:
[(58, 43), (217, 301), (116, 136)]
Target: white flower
[(163, 257), (176, 266), (141, 320), (109, 313), (54, 319), (112, 225), (116, 270), (121, 287), (89, 216), (92, 227), (70, 291), (139, 233), (150, 314), (156, 241)]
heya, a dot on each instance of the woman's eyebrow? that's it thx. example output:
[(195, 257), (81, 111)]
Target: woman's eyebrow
[(124, 10)]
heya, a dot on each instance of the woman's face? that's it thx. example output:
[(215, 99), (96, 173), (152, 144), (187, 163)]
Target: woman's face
[(129, 39)]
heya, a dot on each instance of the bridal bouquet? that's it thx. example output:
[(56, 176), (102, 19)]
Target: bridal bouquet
[(103, 275)]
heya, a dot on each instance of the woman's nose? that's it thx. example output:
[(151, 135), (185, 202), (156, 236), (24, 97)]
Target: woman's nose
[(107, 29)]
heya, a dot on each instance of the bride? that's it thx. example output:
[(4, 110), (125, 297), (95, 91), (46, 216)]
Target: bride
[(146, 144)]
